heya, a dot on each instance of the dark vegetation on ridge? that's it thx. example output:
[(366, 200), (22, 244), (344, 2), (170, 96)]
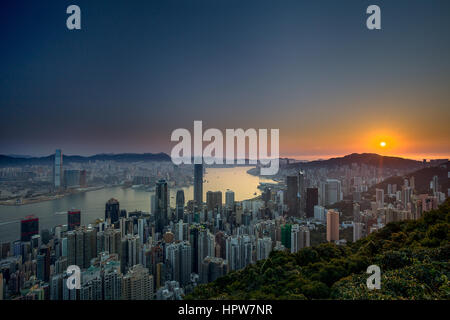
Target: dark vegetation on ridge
[(413, 256)]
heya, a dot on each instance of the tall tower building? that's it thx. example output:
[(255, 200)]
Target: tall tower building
[(112, 211), (229, 199), (179, 210), (161, 205), (73, 219), (312, 199), (292, 195), (380, 198), (198, 184), (214, 200), (301, 192), (29, 226), (58, 169), (332, 225)]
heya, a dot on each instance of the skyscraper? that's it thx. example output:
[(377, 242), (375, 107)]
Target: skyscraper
[(29, 226), (229, 199), (214, 200), (58, 169), (179, 210), (332, 225), (73, 219), (301, 195), (198, 184), (161, 205), (312, 199), (112, 210), (330, 192), (292, 195)]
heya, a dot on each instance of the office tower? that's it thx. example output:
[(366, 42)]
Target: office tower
[(43, 263), (212, 268), (73, 219), (29, 226), (179, 210), (357, 231), (312, 199), (161, 205), (112, 211), (137, 284), (71, 248), (214, 200), (301, 192), (58, 169), (229, 199), (186, 262), (263, 248), (380, 197), (142, 225), (332, 225), (152, 204), (292, 195), (198, 184)]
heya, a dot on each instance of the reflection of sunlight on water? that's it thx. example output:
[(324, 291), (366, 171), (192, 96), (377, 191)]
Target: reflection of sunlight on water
[(92, 203)]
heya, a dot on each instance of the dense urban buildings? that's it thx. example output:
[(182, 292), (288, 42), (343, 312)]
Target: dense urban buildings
[(166, 251)]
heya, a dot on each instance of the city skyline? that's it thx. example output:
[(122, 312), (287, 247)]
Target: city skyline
[(128, 78)]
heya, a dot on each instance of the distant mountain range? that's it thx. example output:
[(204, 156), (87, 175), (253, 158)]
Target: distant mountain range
[(48, 160), (371, 159)]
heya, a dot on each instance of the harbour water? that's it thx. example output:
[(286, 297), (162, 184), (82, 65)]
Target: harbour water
[(92, 203)]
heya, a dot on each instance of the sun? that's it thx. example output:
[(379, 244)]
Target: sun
[(383, 144)]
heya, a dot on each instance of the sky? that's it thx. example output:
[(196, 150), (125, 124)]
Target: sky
[(137, 70)]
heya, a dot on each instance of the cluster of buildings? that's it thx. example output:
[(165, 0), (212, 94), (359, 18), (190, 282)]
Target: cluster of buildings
[(166, 252)]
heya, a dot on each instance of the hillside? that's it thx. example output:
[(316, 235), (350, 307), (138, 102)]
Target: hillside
[(422, 178), (413, 257), (370, 159)]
